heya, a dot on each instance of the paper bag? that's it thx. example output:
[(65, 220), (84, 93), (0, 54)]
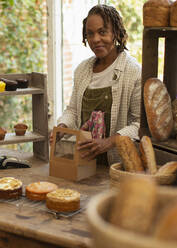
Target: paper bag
[(65, 159)]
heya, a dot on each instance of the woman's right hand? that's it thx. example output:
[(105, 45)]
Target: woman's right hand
[(59, 135)]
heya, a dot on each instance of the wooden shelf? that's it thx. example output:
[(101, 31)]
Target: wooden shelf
[(161, 28), (155, 32), (29, 90), (150, 56), (169, 145), (38, 90), (11, 138)]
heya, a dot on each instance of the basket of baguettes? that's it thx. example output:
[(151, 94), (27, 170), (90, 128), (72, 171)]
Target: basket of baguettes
[(140, 214), (162, 123), (140, 161)]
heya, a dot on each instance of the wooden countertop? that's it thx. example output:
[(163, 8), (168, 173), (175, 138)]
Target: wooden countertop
[(31, 221)]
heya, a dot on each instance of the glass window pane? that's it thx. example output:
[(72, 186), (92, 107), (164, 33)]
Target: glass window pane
[(73, 49)]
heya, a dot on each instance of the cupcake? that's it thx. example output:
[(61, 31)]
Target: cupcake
[(20, 129), (2, 133)]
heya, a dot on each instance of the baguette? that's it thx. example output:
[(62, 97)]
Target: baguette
[(129, 154), (147, 155), (170, 168)]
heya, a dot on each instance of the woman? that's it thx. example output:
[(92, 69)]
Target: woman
[(107, 87)]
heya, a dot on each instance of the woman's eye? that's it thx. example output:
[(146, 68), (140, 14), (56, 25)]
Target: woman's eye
[(102, 32), (89, 34)]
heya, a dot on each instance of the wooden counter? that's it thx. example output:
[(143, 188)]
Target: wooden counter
[(24, 223)]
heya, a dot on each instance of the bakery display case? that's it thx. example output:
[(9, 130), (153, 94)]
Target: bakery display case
[(151, 36), (37, 88)]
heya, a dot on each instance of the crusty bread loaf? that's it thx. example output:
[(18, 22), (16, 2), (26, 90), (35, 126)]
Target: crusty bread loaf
[(129, 154), (135, 204), (166, 226), (147, 155), (174, 111), (156, 13), (168, 169), (173, 14), (158, 109)]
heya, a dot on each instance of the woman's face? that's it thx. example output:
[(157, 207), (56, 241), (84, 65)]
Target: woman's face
[(100, 38)]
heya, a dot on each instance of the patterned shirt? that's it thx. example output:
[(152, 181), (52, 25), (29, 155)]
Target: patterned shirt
[(126, 97)]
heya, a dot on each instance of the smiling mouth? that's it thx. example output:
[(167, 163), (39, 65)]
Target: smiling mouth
[(98, 48)]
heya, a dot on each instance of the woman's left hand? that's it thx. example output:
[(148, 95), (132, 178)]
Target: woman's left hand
[(91, 148)]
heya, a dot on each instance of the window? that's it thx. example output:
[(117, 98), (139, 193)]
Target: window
[(66, 50)]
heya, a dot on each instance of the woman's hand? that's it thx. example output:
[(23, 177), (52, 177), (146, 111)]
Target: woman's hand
[(59, 135), (91, 148)]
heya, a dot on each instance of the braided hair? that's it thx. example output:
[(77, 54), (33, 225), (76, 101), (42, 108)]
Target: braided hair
[(108, 14)]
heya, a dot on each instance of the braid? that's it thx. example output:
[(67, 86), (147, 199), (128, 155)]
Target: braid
[(108, 14)]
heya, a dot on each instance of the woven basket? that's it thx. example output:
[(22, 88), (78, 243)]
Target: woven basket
[(105, 235), (117, 173)]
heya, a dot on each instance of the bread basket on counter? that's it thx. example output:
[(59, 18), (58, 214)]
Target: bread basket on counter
[(107, 235), (117, 173)]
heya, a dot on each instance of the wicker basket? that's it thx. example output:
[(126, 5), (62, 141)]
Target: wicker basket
[(105, 235), (117, 173)]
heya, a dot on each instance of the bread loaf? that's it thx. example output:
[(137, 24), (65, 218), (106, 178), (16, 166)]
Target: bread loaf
[(129, 154), (166, 227), (174, 111), (168, 169), (173, 14), (135, 204), (156, 13), (158, 109), (147, 155)]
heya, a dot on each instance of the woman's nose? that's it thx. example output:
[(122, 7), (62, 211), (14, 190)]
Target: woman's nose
[(96, 37)]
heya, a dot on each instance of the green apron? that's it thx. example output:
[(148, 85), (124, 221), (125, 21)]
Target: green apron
[(95, 100)]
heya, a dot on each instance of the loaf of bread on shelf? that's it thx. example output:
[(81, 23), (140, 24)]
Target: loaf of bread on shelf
[(158, 109), (174, 111), (147, 155), (173, 14), (135, 205), (166, 227), (129, 154), (156, 13)]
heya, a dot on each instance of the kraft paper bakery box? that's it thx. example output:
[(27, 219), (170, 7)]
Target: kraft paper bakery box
[(65, 159)]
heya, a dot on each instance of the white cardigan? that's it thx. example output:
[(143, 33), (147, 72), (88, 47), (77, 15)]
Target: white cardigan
[(126, 97)]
